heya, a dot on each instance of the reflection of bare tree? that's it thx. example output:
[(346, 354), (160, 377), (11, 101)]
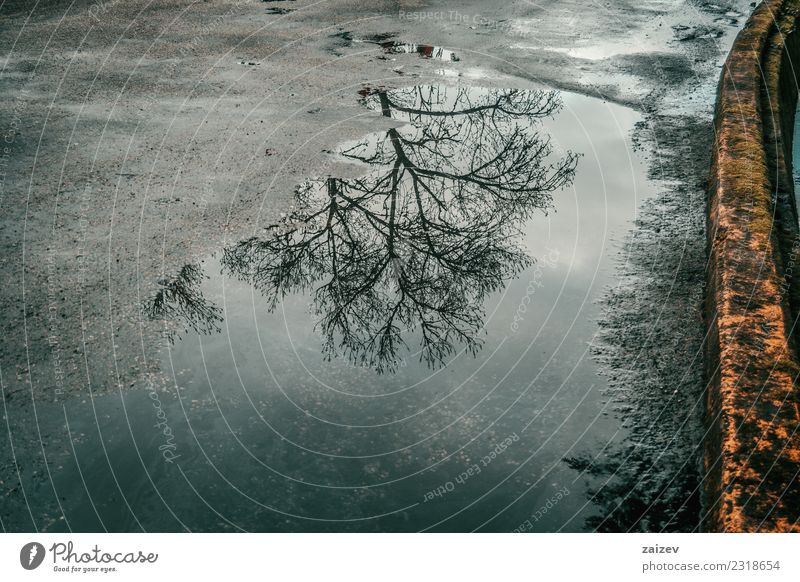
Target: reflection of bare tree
[(419, 242), (180, 298), (639, 487)]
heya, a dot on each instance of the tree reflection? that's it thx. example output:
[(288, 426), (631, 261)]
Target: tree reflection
[(641, 487), (415, 246), (179, 298)]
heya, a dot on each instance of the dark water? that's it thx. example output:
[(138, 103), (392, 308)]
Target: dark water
[(796, 155), (404, 351)]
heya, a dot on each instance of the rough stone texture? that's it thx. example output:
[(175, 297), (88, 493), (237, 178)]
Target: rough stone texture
[(753, 447)]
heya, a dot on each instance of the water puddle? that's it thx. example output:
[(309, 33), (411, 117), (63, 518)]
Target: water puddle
[(390, 45), (407, 350), (796, 157), (657, 39), (424, 50)]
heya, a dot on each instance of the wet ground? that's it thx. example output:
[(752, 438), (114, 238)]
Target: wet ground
[(162, 371)]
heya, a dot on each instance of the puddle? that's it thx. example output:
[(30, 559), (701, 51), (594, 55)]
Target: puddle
[(390, 46), (703, 32), (424, 50), (638, 41), (796, 158), (635, 42), (408, 350)]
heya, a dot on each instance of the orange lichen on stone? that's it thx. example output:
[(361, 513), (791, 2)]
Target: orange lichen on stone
[(752, 297)]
